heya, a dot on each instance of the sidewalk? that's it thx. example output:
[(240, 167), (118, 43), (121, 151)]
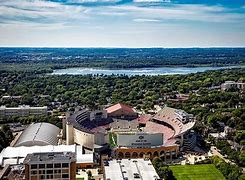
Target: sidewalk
[(214, 151)]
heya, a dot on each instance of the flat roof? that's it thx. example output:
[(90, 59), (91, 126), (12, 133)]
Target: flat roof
[(23, 107), (126, 168), (16, 155), (50, 157)]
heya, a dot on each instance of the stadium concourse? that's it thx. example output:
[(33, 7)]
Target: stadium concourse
[(133, 135)]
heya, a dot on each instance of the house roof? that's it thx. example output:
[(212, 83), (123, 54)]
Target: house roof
[(119, 106)]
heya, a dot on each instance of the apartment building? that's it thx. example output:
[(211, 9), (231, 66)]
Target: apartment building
[(23, 111), (55, 165), (232, 84)]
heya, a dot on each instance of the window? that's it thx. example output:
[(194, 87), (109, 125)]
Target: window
[(57, 176), (50, 165), (57, 165), (33, 172), (57, 171), (49, 171), (65, 170), (41, 171), (50, 177), (65, 165), (33, 166), (65, 175), (41, 166)]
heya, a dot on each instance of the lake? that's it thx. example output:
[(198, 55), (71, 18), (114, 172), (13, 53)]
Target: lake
[(138, 71)]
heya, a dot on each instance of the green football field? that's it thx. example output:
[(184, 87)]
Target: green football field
[(197, 172)]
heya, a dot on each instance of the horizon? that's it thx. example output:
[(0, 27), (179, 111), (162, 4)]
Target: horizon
[(53, 47)]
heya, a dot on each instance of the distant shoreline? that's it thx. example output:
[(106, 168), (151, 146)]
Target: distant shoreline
[(161, 66), (152, 71), (49, 59), (50, 68)]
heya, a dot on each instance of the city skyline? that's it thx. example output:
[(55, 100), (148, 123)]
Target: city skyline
[(122, 23)]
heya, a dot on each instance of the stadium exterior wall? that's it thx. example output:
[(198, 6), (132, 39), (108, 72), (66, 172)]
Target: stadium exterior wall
[(69, 134), (165, 151), (84, 138)]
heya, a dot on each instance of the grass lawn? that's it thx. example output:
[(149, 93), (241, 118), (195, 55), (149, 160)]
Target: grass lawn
[(197, 172), (79, 178)]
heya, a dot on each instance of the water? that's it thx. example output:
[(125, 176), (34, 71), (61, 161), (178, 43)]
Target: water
[(138, 71)]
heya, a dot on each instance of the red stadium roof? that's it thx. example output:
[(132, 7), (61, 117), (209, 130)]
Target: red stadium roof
[(119, 106), (143, 119)]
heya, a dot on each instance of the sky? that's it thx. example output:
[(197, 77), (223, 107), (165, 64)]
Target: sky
[(122, 23)]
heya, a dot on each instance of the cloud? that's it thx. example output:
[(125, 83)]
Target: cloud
[(92, 1), (146, 20), (68, 13), (201, 13), (111, 13), (120, 22), (39, 12), (152, 1)]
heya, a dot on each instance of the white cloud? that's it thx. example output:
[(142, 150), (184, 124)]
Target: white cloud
[(146, 20), (200, 13), (47, 13), (30, 4), (93, 1), (39, 12), (152, 1), (110, 13), (45, 23)]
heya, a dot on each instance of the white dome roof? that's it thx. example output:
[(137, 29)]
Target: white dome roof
[(39, 134)]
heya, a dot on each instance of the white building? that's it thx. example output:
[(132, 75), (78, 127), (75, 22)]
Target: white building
[(23, 111), (232, 84), (16, 155)]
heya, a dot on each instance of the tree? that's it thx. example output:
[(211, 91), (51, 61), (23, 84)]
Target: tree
[(6, 136), (242, 142), (242, 177), (242, 159), (89, 175), (157, 162), (230, 171), (166, 173), (240, 135), (237, 112)]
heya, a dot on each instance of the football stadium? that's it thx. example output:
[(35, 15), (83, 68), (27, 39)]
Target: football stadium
[(129, 134)]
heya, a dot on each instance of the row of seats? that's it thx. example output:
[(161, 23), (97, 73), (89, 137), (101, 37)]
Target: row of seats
[(152, 127)]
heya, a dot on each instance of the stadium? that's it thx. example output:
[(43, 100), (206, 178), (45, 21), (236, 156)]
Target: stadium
[(129, 134)]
